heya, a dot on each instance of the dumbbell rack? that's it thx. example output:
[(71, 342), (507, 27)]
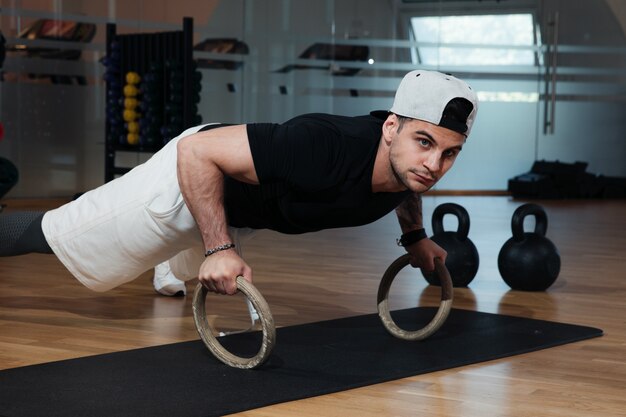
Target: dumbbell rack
[(137, 52)]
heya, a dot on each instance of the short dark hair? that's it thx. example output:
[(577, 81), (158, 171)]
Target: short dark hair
[(401, 121)]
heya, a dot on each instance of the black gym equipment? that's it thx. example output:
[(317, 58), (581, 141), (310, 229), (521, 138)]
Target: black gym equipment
[(157, 58), (462, 260), (8, 176), (183, 380), (529, 261), (555, 179)]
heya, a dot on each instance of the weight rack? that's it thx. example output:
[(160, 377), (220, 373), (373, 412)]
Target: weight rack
[(137, 52)]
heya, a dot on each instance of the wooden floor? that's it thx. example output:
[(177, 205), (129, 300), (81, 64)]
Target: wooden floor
[(45, 315)]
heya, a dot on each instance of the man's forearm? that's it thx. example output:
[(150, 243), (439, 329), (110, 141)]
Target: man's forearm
[(202, 186), (409, 213)]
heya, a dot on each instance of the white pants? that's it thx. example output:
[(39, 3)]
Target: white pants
[(116, 232)]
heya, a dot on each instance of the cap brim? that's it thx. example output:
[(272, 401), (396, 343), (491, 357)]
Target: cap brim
[(380, 114)]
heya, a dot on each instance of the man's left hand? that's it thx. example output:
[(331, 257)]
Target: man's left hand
[(423, 254)]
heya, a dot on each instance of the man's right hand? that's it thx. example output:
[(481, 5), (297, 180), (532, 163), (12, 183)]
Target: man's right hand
[(219, 272)]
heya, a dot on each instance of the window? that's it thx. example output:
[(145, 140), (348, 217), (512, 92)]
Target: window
[(457, 40)]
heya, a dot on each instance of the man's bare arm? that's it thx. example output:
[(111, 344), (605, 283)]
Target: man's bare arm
[(424, 251), (409, 213), (203, 160)]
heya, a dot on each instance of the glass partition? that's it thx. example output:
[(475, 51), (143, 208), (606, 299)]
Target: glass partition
[(584, 107), (549, 74)]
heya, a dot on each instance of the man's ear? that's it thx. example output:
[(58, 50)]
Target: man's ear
[(390, 126)]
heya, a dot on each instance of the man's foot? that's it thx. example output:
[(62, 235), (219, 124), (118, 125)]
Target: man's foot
[(165, 283)]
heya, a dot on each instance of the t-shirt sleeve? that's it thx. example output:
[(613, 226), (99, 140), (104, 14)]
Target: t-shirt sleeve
[(306, 154)]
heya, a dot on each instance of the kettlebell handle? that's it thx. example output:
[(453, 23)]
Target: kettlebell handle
[(517, 221), (459, 212)]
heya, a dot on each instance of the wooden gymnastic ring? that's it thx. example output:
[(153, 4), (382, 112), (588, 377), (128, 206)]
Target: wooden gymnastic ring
[(442, 312), (206, 333)]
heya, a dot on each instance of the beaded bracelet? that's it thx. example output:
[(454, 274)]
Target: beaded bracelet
[(219, 248)]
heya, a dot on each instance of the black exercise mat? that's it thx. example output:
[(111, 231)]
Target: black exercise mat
[(183, 379)]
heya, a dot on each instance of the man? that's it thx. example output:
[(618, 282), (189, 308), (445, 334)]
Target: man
[(190, 201)]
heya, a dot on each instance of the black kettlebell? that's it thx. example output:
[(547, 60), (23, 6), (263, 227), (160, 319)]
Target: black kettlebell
[(462, 259), (529, 261)]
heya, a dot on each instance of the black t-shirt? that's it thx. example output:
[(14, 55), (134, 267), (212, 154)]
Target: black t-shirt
[(315, 173)]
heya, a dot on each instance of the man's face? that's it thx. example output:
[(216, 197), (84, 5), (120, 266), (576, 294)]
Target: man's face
[(420, 152)]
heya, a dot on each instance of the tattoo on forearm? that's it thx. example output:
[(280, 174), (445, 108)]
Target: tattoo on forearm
[(410, 213)]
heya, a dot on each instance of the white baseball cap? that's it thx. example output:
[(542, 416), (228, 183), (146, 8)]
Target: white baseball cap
[(426, 95)]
